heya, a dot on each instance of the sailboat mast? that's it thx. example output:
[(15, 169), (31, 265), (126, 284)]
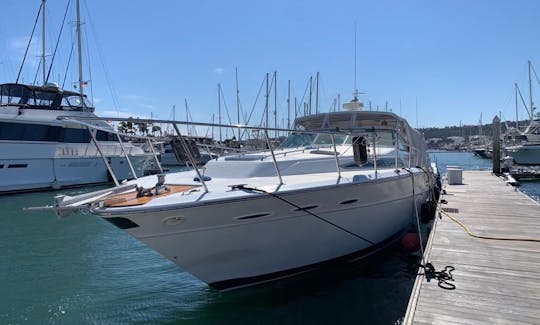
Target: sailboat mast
[(317, 94), (516, 97), (43, 55), (238, 104), (187, 117), (310, 93), (355, 72), (79, 48), (275, 101), (266, 103), (289, 105), (219, 111), (530, 93)]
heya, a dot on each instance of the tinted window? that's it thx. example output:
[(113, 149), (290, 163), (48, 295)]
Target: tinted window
[(11, 131), (105, 136), (76, 135), (38, 132), (35, 132)]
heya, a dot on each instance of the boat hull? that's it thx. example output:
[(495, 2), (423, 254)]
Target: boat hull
[(525, 154), (261, 237), (45, 170)]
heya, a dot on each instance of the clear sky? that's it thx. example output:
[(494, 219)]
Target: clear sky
[(457, 59)]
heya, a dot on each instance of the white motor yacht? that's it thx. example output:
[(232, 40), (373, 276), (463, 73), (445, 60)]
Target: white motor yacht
[(342, 186), (39, 151), (524, 146)]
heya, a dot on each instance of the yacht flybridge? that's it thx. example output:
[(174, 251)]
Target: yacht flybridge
[(38, 151), (343, 185)]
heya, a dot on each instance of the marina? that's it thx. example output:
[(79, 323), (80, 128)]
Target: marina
[(495, 277), (285, 200), (82, 269)]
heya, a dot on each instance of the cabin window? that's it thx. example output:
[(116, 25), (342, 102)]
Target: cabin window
[(42, 98), (105, 136), (74, 102), (39, 132), (14, 94), (35, 132), (76, 135), (11, 131)]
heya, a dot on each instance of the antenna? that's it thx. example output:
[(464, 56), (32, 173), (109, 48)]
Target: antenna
[(354, 104), (416, 104), (43, 55), (355, 94)]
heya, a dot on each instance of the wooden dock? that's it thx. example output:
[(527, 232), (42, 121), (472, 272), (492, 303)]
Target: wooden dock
[(497, 281)]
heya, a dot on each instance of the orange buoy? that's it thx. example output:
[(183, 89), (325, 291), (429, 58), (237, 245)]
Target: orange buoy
[(411, 241)]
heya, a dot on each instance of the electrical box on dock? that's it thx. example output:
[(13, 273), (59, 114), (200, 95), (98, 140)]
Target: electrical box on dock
[(454, 175)]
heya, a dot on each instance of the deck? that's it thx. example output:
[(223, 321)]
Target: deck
[(497, 281)]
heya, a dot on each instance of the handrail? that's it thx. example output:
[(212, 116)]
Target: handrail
[(372, 133), (336, 156), (375, 154), (155, 155), (190, 157), (103, 156), (79, 119), (273, 156), (126, 155)]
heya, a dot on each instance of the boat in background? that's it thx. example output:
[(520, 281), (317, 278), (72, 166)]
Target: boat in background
[(38, 151), (524, 146), (342, 186), (173, 154)]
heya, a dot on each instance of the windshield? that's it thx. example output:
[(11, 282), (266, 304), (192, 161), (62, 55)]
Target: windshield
[(296, 140), (326, 139), (42, 98), (74, 102)]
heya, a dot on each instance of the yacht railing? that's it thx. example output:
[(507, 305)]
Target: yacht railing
[(109, 168), (371, 137)]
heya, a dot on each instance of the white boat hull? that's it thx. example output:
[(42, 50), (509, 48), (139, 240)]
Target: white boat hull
[(47, 170), (525, 154), (244, 241)]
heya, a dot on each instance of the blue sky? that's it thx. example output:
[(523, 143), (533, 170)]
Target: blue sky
[(457, 59)]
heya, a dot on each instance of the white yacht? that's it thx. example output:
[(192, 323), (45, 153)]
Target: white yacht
[(524, 146), (342, 186), (172, 153), (38, 151)]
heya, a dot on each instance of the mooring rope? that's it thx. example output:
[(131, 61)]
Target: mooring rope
[(443, 277), (254, 189), (470, 233)]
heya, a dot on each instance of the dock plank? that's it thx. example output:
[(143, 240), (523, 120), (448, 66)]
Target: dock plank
[(497, 281)]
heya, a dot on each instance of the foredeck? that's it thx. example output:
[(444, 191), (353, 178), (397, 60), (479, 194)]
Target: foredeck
[(497, 281)]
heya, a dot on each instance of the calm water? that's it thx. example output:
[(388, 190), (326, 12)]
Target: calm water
[(84, 270)]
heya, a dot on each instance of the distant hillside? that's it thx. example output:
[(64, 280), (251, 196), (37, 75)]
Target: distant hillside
[(464, 131)]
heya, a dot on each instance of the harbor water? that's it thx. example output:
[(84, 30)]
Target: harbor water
[(83, 270)]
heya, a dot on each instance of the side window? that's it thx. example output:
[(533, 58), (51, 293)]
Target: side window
[(105, 136), (29, 132), (76, 135), (11, 131), (13, 94)]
